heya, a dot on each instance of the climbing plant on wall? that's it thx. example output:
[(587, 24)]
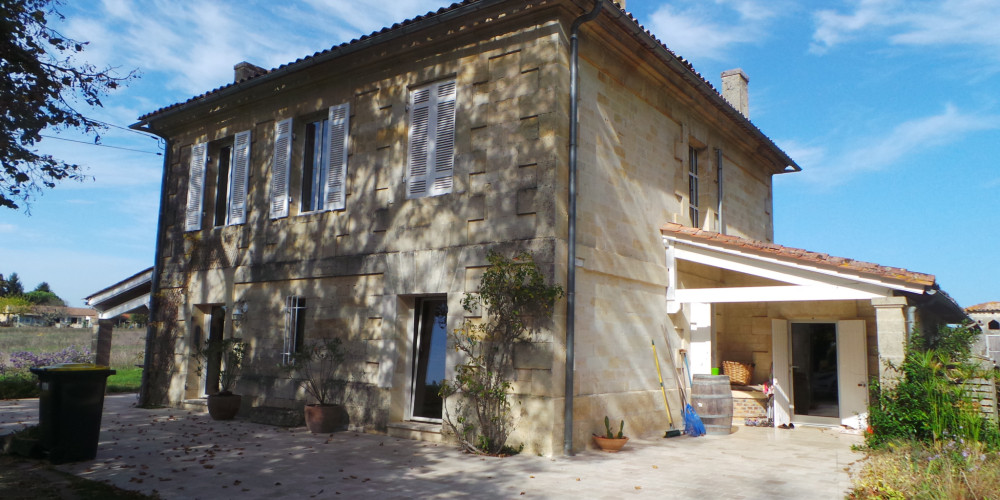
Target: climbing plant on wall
[(514, 300)]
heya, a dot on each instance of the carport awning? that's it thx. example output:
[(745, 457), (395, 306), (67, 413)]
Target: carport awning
[(789, 274), (127, 295)]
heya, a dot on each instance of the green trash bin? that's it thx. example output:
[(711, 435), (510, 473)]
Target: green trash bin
[(70, 408)]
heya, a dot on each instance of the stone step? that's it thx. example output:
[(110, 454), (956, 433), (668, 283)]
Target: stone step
[(418, 431), (198, 405)]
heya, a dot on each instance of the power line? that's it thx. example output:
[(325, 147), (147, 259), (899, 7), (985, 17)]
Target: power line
[(101, 145), (144, 134)]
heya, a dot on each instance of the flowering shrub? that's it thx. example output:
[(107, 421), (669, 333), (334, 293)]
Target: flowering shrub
[(19, 362), (24, 360), (15, 379)]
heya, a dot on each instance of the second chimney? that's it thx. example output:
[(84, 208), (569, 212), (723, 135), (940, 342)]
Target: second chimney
[(734, 90), (246, 71)]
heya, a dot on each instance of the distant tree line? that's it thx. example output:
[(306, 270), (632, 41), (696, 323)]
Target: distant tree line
[(12, 294)]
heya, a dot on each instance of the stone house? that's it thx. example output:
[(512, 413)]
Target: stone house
[(46, 316), (987, 316), (356, 192)]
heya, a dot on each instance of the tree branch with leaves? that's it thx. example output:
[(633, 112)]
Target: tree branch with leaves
[(41, 82)]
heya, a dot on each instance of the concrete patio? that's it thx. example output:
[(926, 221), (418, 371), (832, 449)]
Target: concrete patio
[(183, 454)]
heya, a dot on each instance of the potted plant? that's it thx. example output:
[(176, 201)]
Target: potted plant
[(224, 405), (610, 441), (316, 365)]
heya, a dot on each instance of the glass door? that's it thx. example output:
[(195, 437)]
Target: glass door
[(429, 350), (814, 370)]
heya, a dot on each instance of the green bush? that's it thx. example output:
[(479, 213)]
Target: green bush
[(931, 401), (18, 385)]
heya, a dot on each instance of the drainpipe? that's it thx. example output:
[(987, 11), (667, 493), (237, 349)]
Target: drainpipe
[(154, 283), (574, 90), (718, 211)]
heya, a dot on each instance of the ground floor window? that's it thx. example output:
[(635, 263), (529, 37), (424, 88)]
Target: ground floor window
[(295, 308)]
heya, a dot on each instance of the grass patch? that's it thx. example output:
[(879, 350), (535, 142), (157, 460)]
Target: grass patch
[(126, 380), (948, 469)]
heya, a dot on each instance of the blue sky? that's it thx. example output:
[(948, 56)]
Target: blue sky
[(890, 106)]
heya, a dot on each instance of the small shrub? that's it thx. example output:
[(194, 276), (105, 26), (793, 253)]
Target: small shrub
[(18, 386), (317, 364), (514, 298)]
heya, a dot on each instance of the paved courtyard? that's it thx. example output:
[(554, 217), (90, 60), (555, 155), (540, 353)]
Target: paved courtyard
[(182, 454)]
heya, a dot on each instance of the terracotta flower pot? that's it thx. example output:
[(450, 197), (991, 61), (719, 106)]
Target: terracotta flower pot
[(324, 419), (610, 445), (224, 406)]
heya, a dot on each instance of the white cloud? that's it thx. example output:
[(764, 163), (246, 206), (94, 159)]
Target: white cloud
[(699, 29), (7, 228), (193, 45), (903, 141), (916, 23)]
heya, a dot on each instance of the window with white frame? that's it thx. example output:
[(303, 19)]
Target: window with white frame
[(231, 169), (324, 161), (430, 158), (693, 210), (294, 333)]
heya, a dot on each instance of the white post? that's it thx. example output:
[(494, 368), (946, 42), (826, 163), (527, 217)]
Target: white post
[(701, 338)]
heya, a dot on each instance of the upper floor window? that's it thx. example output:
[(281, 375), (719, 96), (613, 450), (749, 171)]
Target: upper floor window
[(324, 163), (994, 325), (693, 204), (315, 166), (225, 156), (228, 193), (430, 158)]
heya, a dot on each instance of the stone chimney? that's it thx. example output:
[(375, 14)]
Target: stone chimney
[(734, 90), (246, 71)]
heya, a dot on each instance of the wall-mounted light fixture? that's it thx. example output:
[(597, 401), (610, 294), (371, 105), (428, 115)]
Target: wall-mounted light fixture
[(239, 311)]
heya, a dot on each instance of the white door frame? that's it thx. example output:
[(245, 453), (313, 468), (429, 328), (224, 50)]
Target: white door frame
[(413, 334), (852, 362)]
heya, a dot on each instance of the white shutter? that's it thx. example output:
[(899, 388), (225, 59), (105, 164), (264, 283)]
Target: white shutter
[(336, 154), (419, 143), (239, 172), (196, 185), (279, 168), (444, 144)]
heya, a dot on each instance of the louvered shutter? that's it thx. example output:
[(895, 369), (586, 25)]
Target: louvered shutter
[(419, 145), (336, 154), (279, 168), (239, 172), (196, 184), (431, 156), (444, 145)]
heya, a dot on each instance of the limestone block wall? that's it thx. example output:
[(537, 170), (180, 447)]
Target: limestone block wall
[(363, 266)]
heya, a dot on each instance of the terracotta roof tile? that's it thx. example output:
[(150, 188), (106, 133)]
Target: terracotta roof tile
[(798, 254), (984, 307)]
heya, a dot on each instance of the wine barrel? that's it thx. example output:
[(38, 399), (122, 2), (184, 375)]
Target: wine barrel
[(713, 402)]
